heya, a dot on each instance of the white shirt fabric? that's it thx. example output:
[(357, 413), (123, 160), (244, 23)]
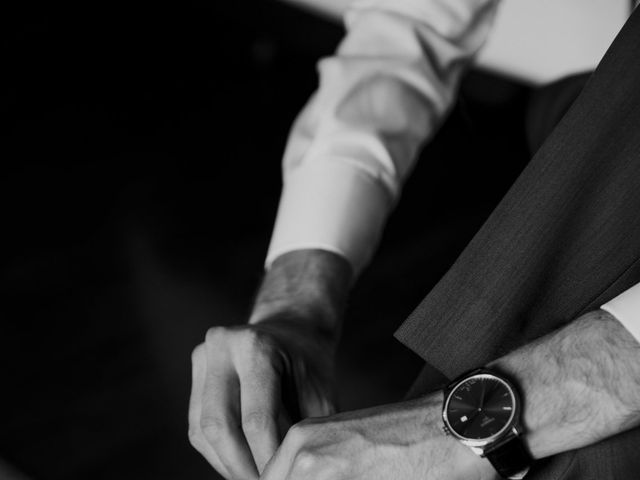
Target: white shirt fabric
[(382, 95)]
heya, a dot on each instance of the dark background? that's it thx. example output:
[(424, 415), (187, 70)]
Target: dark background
[(140, 148)]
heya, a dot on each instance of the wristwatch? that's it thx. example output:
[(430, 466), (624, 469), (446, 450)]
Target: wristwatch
[(482, 410)]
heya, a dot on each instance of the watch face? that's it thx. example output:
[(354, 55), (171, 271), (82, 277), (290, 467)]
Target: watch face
[(480, 407)]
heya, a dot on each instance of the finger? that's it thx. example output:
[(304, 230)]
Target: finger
[(314, 401), (275, 467), (260, 402), (199, 366), (220, 419), (281, 463)]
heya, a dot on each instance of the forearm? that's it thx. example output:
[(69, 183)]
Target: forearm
[(251, 381), (580, 384), (310, 285)]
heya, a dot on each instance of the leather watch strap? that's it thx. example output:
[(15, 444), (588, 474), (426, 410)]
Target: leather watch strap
[(511, 459)]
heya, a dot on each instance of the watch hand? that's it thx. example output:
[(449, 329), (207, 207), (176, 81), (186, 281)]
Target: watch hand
[(497, 409), (473, 416), (484, 386), (474, 421)]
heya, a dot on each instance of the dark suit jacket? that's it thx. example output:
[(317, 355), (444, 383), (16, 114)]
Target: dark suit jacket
[(564, 240)]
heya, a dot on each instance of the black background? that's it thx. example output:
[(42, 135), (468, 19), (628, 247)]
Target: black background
[(140, 151)]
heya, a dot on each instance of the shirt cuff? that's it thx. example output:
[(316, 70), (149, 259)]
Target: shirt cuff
[(331, 205), (626, 308)]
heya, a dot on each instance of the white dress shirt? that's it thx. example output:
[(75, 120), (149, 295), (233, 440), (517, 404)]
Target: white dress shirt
[(381, 96)]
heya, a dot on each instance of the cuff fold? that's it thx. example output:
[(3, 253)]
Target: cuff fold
[(330, 205), (626, 308)]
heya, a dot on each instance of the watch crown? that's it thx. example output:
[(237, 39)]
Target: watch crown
[(446, 430)]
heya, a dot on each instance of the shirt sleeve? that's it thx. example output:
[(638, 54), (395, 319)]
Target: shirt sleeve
[(381, 96), (626, 308)]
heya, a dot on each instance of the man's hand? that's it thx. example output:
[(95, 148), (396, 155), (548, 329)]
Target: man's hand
[(580, 384), (403, 440), (251, 382), (237, 415)]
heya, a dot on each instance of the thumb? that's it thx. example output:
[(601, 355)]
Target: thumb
[(304, 394), (315, 402)]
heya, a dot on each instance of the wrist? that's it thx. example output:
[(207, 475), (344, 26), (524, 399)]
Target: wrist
[(461, 463), (573, 383), (309, 287)]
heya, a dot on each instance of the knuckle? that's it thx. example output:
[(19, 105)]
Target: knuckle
[(251, 340), (256, 351), (316, 464), (257, 421), (197, 354), (194, 436), (247, 340), (298, 433), (215, 335), (305, 463)]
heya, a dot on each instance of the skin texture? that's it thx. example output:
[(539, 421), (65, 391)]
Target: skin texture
[(580, 384), (250, 383), (403, 440)]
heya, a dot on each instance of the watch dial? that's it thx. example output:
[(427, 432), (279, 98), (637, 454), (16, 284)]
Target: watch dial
[(480, 407)]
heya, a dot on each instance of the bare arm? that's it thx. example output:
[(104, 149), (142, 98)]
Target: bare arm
[(381, 96), (311, 284), (580, 384), (251, 381)]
